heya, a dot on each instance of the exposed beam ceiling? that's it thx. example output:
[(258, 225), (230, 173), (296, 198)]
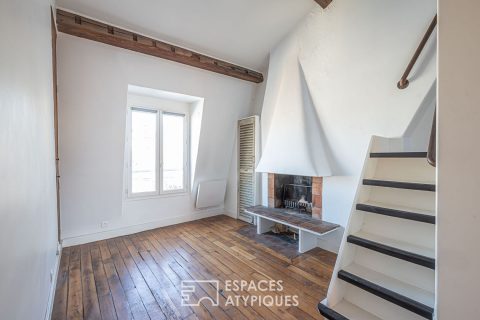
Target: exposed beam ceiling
[(79, 26), (242, 32), (323, 3)]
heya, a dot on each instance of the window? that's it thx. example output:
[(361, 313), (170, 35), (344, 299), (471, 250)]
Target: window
[(173, 152), (144, 151), (158, 152)]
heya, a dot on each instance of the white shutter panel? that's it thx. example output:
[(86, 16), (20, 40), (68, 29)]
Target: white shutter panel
[(246, 166)]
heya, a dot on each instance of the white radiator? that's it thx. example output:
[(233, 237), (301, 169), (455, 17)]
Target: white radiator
[(211, 193)]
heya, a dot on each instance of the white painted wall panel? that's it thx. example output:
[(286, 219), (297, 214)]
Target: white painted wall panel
[(28, 210), (93, 81), (458, 159)]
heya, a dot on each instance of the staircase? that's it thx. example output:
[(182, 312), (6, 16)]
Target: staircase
[(386, 265)]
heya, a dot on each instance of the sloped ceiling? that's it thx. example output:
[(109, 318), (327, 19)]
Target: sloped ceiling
[(238, 31)]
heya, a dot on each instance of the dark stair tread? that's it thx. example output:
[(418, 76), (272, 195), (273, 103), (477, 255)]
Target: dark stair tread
[(392, 251), (384, 293), (330, 314), (399, 184), (398, 155), (409, 215)]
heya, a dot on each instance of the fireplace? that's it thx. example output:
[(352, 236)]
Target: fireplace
[(294, 211), (299, 193)]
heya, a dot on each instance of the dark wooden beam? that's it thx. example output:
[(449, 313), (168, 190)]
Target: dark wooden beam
[(79, 26), (323, 3)]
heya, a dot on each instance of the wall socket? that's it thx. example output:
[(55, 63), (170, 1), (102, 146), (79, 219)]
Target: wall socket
[(104, 224)]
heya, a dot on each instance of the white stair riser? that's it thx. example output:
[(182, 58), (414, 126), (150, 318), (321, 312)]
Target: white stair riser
[(399, 269), (414, 232), (414, 170), (378, 306), (392, 283), (353, 312), (424, 200)]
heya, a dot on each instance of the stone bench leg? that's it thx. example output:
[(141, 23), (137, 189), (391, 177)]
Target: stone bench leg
[(306, 241), (264, 225)]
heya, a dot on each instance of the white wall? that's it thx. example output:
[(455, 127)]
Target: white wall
[(417, 135), (28, 227), (458, 213), (231, 197), (351, 56), (93, 80), (196, 116)]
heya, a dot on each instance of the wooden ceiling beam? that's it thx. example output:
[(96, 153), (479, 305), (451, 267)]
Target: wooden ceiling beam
[(79, 26), (323, 3)]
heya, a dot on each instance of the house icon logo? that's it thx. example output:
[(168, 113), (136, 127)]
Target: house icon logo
[(193, 295)]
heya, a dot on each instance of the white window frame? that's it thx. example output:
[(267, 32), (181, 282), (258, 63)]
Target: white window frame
[(159, 155)]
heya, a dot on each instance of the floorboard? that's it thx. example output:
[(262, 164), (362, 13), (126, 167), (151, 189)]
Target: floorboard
[(140, 276)]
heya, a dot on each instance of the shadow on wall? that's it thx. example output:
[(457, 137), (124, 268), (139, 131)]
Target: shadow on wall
[(312, 120), (296, 143), (417, 135)]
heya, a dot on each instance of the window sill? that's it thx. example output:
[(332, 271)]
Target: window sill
[(157, 196)]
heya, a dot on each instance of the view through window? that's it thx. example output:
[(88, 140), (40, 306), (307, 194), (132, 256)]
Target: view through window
[(158, 152), (173, 151), (144, 151)]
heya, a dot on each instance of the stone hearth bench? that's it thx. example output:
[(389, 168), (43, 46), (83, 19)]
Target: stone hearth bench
[(309, 228)]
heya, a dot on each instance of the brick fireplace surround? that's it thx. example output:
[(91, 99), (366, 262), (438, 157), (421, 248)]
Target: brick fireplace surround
[(317, 186)]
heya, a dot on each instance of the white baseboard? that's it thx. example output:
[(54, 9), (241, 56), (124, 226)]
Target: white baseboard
[(91, 237), (232, 215), (51, 294)]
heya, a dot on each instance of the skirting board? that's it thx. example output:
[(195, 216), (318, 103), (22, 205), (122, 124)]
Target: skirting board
[(232, 215), (51, 295), (86, 238)]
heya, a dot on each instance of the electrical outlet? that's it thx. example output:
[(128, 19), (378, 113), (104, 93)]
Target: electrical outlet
[(104, 224)]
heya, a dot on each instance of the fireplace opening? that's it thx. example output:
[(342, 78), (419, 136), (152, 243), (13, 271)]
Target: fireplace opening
[(293, 192), (298, 194)]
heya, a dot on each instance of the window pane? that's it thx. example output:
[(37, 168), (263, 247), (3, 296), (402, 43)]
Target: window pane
[(144, 151), (173, 147)]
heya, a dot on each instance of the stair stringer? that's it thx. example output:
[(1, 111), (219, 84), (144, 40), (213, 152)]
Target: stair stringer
[(346, 255)]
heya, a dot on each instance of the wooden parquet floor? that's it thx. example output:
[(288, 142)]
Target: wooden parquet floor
[(140, 276)]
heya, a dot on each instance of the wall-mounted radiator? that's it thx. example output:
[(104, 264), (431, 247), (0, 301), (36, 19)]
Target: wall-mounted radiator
[(211, 193)]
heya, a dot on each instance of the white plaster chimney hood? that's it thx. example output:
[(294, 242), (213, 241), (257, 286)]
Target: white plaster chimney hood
[(293, 140)]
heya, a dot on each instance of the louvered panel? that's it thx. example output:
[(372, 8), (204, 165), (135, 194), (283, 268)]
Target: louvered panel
[(246, 166)]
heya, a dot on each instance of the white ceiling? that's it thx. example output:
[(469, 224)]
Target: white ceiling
[(238, 31)]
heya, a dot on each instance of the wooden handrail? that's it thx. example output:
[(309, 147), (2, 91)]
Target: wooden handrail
[(432, 145), (403, 83)]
